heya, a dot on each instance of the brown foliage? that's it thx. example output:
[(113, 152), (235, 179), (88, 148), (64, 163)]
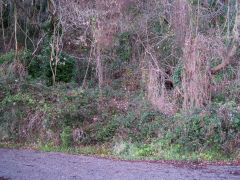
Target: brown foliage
[(196, 72)]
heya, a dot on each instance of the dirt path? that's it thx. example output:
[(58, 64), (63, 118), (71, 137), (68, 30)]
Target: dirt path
[(30, 164)]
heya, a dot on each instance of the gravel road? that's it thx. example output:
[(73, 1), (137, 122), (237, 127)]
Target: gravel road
[(31, 164)]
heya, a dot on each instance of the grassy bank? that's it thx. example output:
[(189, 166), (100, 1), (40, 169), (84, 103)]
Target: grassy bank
[(133, 153), (70, 119)]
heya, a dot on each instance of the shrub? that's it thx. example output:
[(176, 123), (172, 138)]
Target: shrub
[(139, 123), (65, 68), (132, 150), (8, 57), (15, 108), (39, 65), (215, 128), (7, 66), (67, 138), (124, 50), (101, 131), (35, 67), (24, 57)]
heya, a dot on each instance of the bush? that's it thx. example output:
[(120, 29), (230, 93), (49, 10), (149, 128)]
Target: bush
[(35, 67), (133, 150), (14, 110), (67, 138), (216, 128), (29, 110), (65, 68), (8, 57), (138, 124), (124, 50), (7, 65), (24, 57), (39, 65)]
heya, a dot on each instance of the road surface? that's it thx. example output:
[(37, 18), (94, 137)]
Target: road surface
[(31, 164)]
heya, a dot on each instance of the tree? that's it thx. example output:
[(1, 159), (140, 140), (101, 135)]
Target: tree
[(100, 18)]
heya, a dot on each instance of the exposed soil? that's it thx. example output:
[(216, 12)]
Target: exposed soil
[(31, 164)]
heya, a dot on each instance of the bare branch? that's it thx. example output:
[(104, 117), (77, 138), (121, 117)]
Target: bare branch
[(232, 52)]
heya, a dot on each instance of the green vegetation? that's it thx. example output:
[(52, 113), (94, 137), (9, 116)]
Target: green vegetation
[(132, 130), (121, 79), (67, 139)]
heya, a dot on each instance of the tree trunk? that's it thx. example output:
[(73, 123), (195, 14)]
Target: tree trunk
[(15, 32), (3, 30), (99, 68)]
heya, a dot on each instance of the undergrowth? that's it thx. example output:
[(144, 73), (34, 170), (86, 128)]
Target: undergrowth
[(78, 120)]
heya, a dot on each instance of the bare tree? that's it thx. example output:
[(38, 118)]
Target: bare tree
[(56, 38), (2, 24), (100, 18), (15, 32), (235, 39)]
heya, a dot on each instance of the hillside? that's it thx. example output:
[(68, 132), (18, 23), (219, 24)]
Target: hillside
[(130, 78)]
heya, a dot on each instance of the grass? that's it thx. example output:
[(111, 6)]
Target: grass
[(167, 152), (87, 150), (103, 150), (133, 152)]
